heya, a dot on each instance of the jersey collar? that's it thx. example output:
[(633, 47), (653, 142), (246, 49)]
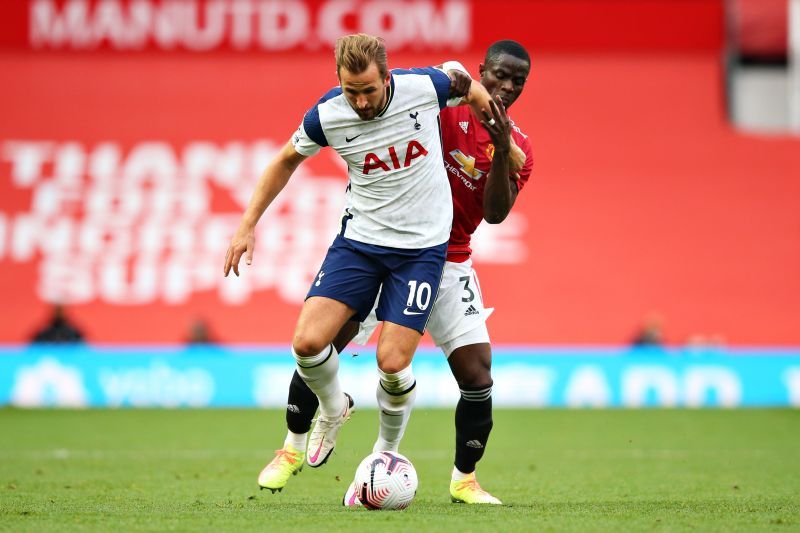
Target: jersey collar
[(389, 96)]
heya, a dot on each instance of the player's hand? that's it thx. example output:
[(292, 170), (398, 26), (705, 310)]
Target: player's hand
[(241, 244), (498, 125), (516, 159), (460, 82)]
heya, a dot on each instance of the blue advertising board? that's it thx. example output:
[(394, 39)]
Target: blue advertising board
[(91, 376)]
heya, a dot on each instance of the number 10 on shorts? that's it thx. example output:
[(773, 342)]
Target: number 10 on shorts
[(419, 293)]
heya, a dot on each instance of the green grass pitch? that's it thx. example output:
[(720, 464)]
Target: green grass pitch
[(556, 470)]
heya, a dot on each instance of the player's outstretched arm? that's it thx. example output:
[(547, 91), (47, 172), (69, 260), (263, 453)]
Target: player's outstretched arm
[(460, 80), (272, 181), (478, 98), (516, 159), (464, 87), (500, 191)]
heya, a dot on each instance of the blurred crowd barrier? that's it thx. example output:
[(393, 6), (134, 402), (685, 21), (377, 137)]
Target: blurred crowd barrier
[(243, 377)]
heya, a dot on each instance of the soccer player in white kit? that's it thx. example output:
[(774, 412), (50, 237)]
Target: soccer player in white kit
[(488, 165), (394, 229)]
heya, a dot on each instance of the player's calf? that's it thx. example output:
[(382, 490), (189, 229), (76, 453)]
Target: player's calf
[(395, 393), (473, 426), (301, 405)]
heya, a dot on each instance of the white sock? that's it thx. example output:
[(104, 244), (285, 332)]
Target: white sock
[(458, 475), (396, 394), (297, 440), (321, 374)]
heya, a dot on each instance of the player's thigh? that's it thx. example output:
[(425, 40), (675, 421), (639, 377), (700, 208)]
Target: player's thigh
[(396, 347), (349, 276), (321, 319), (410, 287), (459, 307)]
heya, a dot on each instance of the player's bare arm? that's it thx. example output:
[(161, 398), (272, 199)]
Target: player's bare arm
[(470, 91), (272, 181), (500, 191), (460, 82), (478, 99), (516, 159), (476, 95)]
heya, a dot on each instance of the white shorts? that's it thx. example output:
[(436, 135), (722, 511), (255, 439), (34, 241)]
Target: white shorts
[(458, 317)]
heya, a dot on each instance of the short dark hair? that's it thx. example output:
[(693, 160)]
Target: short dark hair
[(512, 48)]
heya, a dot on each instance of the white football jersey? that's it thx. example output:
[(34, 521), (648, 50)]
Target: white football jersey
[(398, 195)]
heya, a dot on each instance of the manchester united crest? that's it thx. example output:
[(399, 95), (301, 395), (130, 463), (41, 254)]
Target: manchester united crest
[(490, 151)]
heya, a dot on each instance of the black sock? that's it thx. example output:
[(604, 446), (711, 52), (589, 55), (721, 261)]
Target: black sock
[(473, 425), (301, 405)]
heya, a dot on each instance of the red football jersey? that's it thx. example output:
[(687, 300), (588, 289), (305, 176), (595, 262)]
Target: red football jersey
[(468, 152)]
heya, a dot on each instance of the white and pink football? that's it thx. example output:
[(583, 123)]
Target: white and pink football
[(384, 480)]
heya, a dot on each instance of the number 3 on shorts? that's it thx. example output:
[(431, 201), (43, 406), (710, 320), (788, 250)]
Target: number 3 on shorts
[(470, 295), (421, 294)]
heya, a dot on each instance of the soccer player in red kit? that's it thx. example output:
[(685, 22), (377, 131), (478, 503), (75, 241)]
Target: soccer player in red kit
[(486, 168)]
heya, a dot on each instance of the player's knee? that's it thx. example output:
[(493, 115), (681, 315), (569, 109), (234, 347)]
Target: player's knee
[(308, 345), (476, 377), (393, 363), (471, 372), (392, 367)]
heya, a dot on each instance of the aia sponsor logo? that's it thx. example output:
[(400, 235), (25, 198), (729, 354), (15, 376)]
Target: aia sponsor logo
[(373, 162)]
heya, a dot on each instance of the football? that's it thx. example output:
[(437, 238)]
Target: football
[(384, 481)]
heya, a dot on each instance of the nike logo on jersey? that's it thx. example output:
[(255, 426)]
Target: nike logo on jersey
[(350, 139), (411, 313)]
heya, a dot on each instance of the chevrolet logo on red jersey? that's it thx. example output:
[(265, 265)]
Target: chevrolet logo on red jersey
[(467, 164)]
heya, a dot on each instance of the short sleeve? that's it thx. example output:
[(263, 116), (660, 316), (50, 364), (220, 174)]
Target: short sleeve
[(440, 80), (310, 137), (303, 143)]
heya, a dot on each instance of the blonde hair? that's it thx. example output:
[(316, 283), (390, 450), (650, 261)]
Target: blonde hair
[(356, 52)]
